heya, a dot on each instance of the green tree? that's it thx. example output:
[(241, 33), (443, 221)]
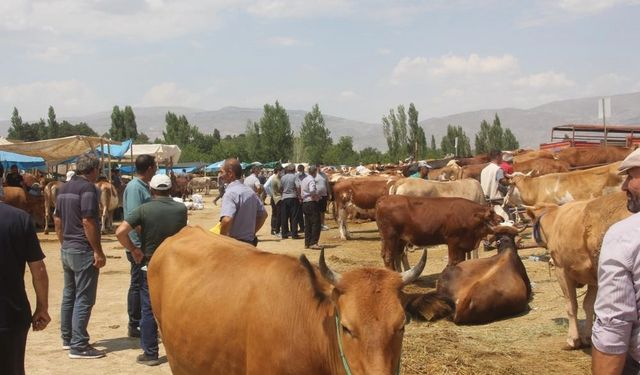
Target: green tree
[(277, 137), (342, 152), (495, 135), (129, 123), (17, 128), (315, 136), (142, 138), (433, 143), (177, 130), (482, 138), (52, 123), (394, 128), (370, 155), (509, 140), (216, 135), (417, 141), (67, 129), (117, 131), (448, 142), (253, 141)]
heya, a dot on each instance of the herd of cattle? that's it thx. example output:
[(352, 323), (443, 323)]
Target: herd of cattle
[(355, 321)]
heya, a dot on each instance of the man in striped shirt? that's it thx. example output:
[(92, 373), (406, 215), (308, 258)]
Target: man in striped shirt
[(616, 331)]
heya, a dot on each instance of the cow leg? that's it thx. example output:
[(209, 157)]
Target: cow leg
[(568, 287), (342, 223), (46, 219), (473, 254), (587, 305)]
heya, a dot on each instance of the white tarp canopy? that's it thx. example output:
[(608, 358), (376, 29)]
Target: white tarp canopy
[(3, 141), (163, 153), (58, 150)]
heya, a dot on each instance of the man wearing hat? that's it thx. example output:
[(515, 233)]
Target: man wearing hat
[(156, 220), (616, 331), (507, 164), (423, 171)]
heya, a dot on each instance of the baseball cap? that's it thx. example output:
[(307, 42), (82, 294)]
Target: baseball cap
[(160, 182), (507, 157), (631, 161), (70, 175)]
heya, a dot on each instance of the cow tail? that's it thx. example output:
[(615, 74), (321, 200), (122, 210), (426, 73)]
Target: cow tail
[(430, 306)]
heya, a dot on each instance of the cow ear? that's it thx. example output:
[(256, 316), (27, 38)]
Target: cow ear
[(321, 289), (428, 306)]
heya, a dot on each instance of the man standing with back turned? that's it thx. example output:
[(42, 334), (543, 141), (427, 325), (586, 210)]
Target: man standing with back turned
[(77, 223), (616, 331), (135, 194), (158, 219)]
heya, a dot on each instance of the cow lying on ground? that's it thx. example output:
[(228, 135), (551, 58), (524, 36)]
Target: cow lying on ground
[(488, 289), (32, 204), (573, 234), (50, 196), (560, 188), (225, 308), (362, 192), (108, 203), (456, 222)]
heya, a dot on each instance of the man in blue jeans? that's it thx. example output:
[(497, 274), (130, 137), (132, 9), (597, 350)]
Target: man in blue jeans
[(135, 194), (156, 220), (77, 224)]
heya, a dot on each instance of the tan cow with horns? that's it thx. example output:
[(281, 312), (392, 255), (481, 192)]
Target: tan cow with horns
[(225, 308)]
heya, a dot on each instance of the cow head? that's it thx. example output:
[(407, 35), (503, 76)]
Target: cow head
[(371, 316)]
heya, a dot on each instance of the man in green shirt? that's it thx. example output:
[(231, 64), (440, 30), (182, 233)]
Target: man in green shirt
[(156, 220)]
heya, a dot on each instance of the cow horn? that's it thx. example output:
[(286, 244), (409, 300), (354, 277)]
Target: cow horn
[(411, 275), (327, 273)]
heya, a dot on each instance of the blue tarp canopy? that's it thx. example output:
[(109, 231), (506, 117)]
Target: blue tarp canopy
[(116, 151), (215, 167), (22, 161), (131, 169)]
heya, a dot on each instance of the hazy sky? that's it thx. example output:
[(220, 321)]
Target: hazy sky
[(355, 58)]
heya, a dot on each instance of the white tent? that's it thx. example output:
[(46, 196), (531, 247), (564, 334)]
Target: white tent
[(163, 153), (58, 150)]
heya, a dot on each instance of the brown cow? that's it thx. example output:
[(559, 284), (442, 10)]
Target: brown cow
[(456, 222), (223, 307), (362, 192), (573, 234), (560, 188), (478, 159), (108, 203), (180, 186), (50, 196), (488, 289), (33, 205), (541, 166), (522, 156), (592, 156), (417, 187)]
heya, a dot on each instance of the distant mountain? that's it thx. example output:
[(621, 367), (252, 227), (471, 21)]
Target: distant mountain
[(531, 126)]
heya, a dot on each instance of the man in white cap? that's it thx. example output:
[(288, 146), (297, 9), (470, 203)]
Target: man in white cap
[(70, 175), (156, 220), (616, 331)]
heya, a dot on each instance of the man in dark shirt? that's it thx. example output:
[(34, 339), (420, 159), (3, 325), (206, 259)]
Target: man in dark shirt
[(78, 229), (14, 178), (19, 245), (158, 219)]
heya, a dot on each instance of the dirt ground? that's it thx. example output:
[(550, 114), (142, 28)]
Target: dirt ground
[(526, 344)]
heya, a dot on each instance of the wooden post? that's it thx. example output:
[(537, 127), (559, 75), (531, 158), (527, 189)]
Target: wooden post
[(109, 158)]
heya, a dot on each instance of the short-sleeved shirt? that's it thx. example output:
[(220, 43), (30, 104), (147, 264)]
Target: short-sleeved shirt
[(290, 185), (135, 194), (243, 205), (253, 182), (76, 200), (18, 245), (160, 218), (616, 329), (308, 189), (14, 179), (276, 188), (321, 185)]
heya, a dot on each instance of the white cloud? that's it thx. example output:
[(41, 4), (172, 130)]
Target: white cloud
[(347, 95), (545, 80), (591, 6), (169, 94), (283, 41), (298, 8), (424, 68), (383, 51), (67, 97)]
